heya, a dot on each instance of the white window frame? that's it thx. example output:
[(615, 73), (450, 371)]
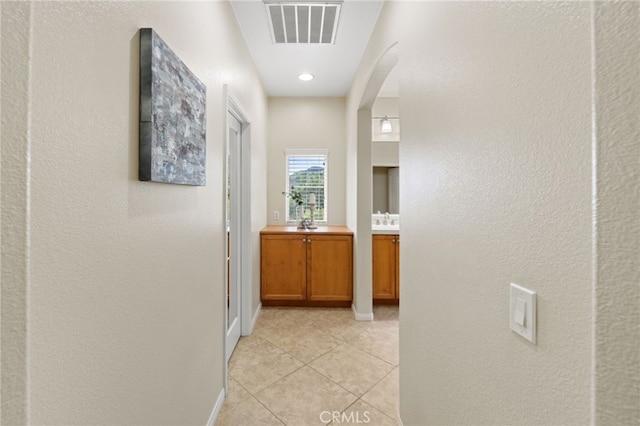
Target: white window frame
[(311, 153)]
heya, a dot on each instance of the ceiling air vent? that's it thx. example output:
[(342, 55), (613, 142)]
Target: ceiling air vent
[(312, 22)]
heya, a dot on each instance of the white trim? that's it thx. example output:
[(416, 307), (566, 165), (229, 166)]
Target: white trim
[(256, 315), (361, 317), (310, 151), (235, 108), (232, 106), (216, 408)]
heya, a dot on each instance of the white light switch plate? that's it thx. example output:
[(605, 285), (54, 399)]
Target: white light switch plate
[(522, 299)]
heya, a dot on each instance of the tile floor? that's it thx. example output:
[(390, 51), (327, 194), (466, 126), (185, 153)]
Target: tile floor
[(303, 366)]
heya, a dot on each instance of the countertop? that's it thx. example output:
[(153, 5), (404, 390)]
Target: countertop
[(293, 229), (387, 230)]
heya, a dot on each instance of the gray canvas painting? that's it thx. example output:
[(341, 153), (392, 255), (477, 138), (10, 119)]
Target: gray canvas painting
[(172, 116)]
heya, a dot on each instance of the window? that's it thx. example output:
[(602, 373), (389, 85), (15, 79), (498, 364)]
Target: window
[(307, 173)]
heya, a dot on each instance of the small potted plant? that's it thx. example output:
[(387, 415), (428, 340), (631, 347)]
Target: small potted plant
[(295, 195)]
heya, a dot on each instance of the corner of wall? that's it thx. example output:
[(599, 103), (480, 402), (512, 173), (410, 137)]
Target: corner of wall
[(15, 209), (616, 375)]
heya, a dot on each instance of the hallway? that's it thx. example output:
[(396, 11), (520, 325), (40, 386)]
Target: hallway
[(518, 158), (305, 366)]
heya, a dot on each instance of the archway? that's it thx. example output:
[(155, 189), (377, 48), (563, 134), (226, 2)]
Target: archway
[(363, 299)]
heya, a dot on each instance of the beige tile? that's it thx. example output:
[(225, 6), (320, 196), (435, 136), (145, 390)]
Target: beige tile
[(276, 322), (351, 368), (322, 316), (235, 395), (389, 313), (347, 330), (304, 343), (257, 363), (247, 413), (384, 395), (301, 397), (269, 365), (361, 413), (380, 341)]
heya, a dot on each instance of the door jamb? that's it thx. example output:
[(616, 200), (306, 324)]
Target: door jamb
[(232, 106)]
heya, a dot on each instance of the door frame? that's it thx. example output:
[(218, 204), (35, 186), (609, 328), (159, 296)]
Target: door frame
[(232, 106)]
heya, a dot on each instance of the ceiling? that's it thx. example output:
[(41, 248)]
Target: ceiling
[(333, 65)]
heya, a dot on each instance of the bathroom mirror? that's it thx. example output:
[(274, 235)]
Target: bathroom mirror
[(385, 155), (385, 190)]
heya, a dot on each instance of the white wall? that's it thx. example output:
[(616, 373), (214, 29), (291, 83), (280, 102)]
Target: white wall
[(307, 123), (498, 136), (496, 102), (16, 20), (125, 278), (617, 227), (385, 150)]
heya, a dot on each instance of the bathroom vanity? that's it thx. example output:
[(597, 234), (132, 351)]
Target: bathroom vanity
[(386, 268), (385, 230), (306, 267)]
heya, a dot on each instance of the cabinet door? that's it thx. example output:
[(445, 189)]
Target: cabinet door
[(330, 267), (283, 267), (384, 266), (397, 266)]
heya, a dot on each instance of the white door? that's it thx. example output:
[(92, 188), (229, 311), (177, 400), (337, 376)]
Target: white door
[(234, 229)]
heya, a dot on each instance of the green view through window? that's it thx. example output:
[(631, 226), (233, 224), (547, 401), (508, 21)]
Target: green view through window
[(307, 173)]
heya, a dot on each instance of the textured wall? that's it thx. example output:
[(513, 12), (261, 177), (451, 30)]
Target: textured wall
[(496, 107), (126, 277), (307, 123), (617, 201), (496, 159), (16, 24)]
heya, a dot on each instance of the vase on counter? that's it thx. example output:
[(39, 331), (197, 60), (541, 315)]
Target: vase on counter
[(300, 216)]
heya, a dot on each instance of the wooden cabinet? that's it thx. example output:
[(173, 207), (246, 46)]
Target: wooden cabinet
[(306, 267), (386, 268), (284, 267)]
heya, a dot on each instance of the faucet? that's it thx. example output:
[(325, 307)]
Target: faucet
[(386, 219)]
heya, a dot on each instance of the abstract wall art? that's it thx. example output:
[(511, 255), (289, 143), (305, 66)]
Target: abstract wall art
[(172, 116)]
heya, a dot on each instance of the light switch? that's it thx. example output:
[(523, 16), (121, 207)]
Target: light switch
[(521, 309), (523, 312)]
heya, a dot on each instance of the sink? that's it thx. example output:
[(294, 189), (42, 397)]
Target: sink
[(385, 229), (378, 226)]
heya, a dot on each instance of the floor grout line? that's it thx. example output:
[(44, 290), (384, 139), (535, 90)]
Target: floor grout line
[(279, 317)]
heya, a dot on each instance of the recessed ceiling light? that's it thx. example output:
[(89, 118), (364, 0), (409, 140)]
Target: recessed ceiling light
[(305, 76)]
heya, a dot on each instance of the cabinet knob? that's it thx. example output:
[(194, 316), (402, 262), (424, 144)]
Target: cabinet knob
[(304, 241), (393, 241)]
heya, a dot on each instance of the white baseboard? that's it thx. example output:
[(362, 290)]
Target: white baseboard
[(254, 320), (256, 315), (216, 408), (361, 317), (247, 329)]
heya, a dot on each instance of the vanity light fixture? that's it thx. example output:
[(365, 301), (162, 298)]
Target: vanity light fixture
[(385, 125), (305, 76)]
